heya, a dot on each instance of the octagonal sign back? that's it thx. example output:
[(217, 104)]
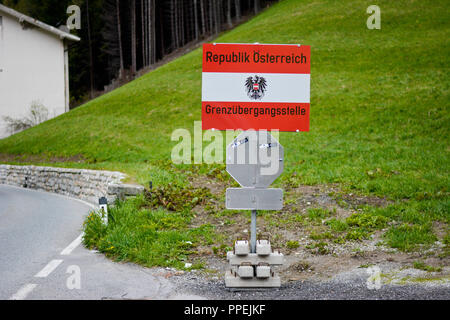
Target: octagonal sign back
[(255, 159)]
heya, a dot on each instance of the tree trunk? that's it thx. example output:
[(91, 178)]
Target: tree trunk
[(172, 23), (143, 40), (91, 58), (257, 5), (119, 33), (195, 20), (230, 23), (211, 15), (161, 24), (149, 28), (153, 31), (175, 15), (133, 36), (237, 4), (216, 16), (148, 23), (202, 13), (182, 22)]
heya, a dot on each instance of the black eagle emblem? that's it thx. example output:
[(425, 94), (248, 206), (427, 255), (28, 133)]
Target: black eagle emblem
[(256, 87)]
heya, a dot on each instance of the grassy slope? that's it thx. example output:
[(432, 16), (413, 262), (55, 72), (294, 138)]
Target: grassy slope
[(379, 118)]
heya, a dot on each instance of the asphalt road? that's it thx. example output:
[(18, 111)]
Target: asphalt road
[(40, 257), (34, 228)]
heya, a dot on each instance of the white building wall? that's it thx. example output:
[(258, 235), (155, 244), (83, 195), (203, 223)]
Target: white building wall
[(32, 69)]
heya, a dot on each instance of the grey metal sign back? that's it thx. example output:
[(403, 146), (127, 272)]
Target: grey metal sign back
[(255, 159), (254, 199)]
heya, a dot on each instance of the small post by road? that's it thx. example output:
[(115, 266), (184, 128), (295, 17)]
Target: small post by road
[(103, 203)]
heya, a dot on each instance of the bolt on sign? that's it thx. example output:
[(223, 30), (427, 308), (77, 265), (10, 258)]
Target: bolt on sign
[(256, 86)]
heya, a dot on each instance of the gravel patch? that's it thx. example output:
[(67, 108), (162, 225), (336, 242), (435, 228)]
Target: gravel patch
[(351, 285)]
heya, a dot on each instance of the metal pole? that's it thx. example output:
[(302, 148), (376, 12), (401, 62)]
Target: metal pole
[(253, 232)]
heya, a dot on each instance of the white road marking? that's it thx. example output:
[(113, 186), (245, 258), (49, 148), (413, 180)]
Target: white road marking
[(75, 243), (52, 265), (23, 292)]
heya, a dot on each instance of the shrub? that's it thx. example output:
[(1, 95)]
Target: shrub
[(38, 113)]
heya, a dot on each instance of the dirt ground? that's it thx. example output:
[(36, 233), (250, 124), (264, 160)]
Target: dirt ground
[(303, 262)]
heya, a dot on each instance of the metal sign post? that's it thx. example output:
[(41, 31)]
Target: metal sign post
[(253, 232), (254, 160)]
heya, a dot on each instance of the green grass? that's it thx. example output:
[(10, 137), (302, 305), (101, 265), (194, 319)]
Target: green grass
[(292, 244), (337, 225), (408, 237), (318, 214), (422, 266), (379, 110), (148, 236)]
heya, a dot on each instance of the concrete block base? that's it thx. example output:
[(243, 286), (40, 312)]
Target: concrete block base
[(253, 270), (273, 259), (232, 280)]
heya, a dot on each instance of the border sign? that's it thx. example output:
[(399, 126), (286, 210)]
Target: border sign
[(256, 87)]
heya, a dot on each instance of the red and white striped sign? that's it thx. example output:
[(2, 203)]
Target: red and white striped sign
[(255, 86)]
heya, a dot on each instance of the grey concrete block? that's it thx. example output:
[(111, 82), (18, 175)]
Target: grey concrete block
[(274, 259), (263, 247), (241, 247), (246, 271), (263, 272), (232, 280), (125, 189)]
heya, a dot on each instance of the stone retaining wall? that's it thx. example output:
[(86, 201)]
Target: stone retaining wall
[(88, 185)]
